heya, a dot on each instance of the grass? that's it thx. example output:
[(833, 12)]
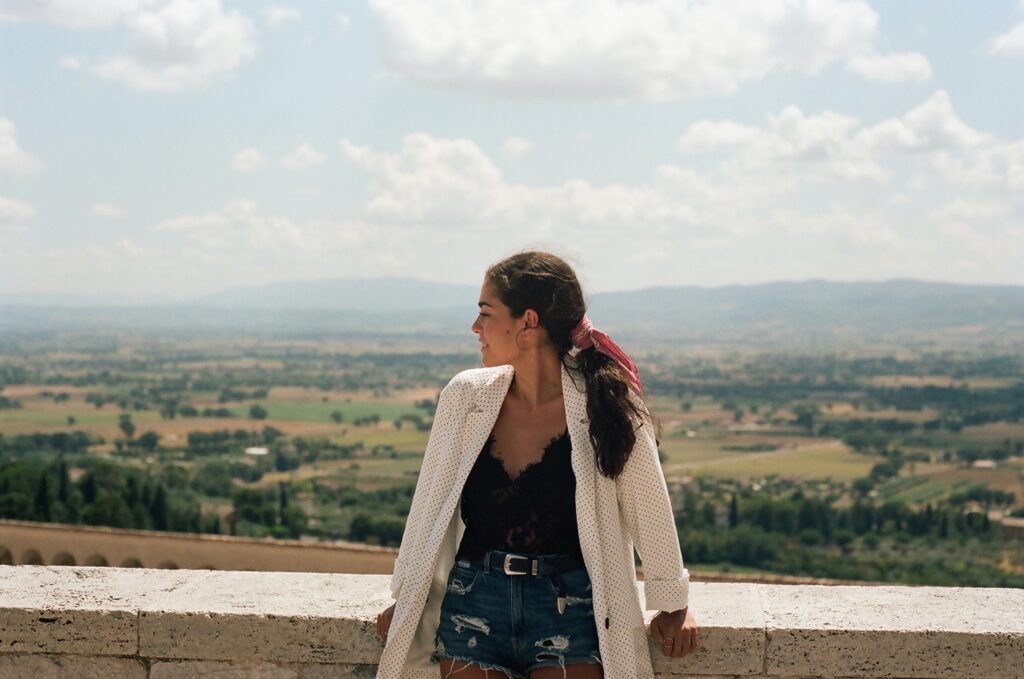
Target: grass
[(813, 462), (316, 411), (922, 490)]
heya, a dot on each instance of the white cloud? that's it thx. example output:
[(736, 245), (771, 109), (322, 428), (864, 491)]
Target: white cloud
[(303, 156), (248, 160), (184, 43), (344, 21), (14, 211), (175, 44), (451, 184), (896, 67), (107, 211), (793, 141), (835, 145), (995, 166), (70, 13), (776, 198), (517, 147), (240, 244), (239, 224), (656, 49), (814, 148), (932, 126), (973, 211), (13, 160), (1010, 43), (275, 15)]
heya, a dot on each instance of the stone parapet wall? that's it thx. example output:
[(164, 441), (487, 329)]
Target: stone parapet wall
[(111, 622)]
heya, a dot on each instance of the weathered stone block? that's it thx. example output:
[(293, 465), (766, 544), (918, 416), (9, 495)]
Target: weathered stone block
[(81, 610), (200, 669), (934, 632), (341, 672), (284, 617), (69, 667)]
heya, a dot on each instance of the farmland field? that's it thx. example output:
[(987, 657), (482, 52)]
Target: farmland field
[(343, 436)]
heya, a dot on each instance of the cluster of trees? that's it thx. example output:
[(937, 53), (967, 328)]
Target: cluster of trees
[(415, 420), (8, 403), (231, 394), (270, 512), (105, 495), (201, 443), (802, 535), (313, 449), (373, 418), (111, 495), (378, 516), (217, 478), (59, 442)]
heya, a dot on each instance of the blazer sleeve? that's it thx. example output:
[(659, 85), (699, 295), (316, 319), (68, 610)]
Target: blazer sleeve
[(444, 432), (645, 505)]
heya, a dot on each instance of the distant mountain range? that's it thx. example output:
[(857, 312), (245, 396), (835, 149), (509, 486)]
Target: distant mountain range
[(815, 312)]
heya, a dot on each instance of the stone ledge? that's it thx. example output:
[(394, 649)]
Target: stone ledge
[(80, 621)]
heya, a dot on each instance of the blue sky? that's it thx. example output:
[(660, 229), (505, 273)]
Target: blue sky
[(165, 148)]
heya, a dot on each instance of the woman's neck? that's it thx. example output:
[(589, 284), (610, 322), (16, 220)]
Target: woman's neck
[(538, 377)]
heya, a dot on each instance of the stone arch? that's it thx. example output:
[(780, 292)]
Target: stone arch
[(64, 559), (131, 563), (31, 557), (169, 565), (6, 558), (96, 560)]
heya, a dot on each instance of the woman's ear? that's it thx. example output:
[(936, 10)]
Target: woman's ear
[(532, 319)]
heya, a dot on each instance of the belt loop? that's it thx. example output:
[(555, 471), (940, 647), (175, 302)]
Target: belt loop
[(487, 561), (539, 565)]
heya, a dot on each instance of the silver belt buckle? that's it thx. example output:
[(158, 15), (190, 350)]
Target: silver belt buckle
[(508, 564)]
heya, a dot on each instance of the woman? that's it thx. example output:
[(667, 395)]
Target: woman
[(540, 475)]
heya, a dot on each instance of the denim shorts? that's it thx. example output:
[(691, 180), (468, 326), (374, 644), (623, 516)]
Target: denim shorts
[(511, 623)]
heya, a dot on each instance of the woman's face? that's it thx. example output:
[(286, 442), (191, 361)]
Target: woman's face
[(496, 329)]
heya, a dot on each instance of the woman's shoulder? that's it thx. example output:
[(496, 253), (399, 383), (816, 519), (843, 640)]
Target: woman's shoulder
[(476, 378), (465, 389)]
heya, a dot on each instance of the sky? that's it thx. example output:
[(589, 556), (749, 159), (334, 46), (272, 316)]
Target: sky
[(161, 149)]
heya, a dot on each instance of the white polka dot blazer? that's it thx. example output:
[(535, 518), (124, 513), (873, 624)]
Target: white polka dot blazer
[(613, 516)]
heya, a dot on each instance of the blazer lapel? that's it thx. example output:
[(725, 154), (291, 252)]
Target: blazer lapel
[(584, 467), (480, 419)]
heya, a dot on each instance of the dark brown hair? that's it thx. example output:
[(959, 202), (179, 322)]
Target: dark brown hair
[(548, 285)]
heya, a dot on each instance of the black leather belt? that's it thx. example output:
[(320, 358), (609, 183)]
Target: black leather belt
[(516, 564)]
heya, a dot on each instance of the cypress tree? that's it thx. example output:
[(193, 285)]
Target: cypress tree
[(158, 508), (282, 501), (42, 499), (63, 482)]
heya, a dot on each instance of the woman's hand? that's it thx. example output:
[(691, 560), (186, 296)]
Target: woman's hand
[(384, 622), (676, 632)]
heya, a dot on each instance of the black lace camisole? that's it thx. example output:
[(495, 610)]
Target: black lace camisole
[(535, 513)]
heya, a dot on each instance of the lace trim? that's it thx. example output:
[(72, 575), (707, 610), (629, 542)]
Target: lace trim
[(489, 447)]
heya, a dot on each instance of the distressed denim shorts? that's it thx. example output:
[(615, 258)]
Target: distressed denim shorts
[(511, 623)]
